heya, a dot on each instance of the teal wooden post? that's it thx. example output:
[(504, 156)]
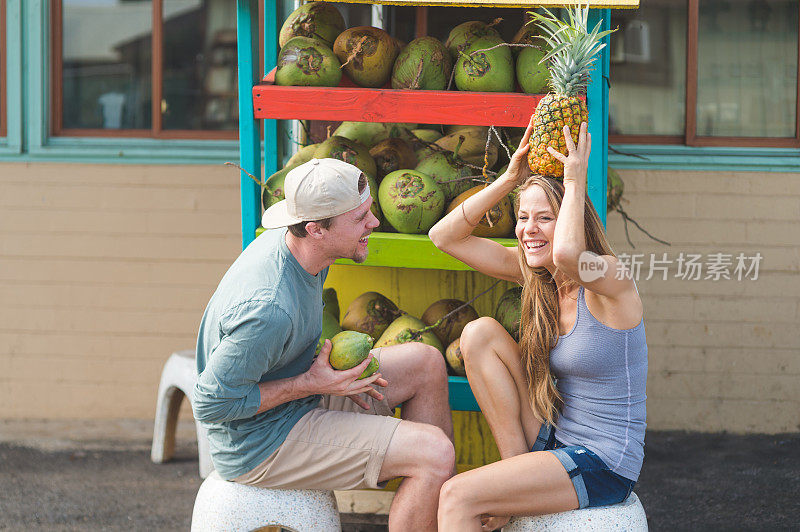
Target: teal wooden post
[(597, 100), (270, 61), (249, 145)]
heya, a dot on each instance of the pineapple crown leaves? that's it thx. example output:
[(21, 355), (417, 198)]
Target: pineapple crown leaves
[(572, 48)]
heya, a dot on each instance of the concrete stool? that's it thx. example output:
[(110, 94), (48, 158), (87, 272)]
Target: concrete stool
[(627, 515), (227, 506), (177, 380)]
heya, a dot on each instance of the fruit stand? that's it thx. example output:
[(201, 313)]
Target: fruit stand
[(397, 260)]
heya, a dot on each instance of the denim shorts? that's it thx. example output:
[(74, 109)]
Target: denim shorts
[(595, 483)]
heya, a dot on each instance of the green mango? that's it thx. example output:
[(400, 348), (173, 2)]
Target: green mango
[(330, 328), (350, 348)]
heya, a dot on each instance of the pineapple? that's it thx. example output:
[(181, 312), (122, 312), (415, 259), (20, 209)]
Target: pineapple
[(571, 56)]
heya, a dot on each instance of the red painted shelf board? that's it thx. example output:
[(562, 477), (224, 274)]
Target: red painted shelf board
[(392, 105)]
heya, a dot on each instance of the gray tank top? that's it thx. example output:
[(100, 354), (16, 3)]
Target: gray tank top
[(601, 376)]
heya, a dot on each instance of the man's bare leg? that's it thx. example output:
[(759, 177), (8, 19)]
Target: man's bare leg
[(421, 449)]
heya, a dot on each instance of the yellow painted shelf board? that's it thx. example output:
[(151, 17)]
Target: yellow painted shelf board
[(397, 250)]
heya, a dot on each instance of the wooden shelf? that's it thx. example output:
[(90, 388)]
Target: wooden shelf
[(348, 102), (397, 250), (461, 397)]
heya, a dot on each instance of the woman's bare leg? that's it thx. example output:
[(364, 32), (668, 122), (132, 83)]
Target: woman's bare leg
[(528, 484), (497, 379)]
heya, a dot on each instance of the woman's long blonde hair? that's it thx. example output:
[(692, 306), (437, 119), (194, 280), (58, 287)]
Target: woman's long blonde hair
[(538, 328)]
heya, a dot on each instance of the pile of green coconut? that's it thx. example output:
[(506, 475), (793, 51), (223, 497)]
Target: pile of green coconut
[(373, 320), (416, 174), (316, 50)]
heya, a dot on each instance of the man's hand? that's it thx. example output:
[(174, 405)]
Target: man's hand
[(322, 378)]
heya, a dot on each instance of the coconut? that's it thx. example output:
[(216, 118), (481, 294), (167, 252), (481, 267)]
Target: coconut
[(319, 20), (452, 128), (426, 135), (307, 62), (421, 139), (348, 151), (473, 146), (371, 133), (367, 54), (501, 216), (405, 329), (509, 311), (375, 206), (485, 71), (303, 155), (273, 191), (411, 201), (392, 154), (424, 64), (454, 358), (370, 313), (532, 75), (527, 34), (451, 327), (448, 171), (462, 36), (331, 301)]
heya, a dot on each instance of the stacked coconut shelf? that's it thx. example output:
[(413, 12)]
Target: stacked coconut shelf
[(348, 102)]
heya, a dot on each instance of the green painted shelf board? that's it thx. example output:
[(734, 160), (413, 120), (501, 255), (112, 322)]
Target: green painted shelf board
[(409, 251)]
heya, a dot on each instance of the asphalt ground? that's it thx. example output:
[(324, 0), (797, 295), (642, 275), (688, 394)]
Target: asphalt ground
[(690, 481)]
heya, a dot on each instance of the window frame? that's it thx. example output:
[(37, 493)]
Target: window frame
[(156, 130), (3, 70), (690, 137)]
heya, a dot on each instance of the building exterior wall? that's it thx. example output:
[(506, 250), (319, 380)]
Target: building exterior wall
[(106, 269)]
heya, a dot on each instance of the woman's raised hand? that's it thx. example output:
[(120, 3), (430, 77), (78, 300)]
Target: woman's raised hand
[(576, 163), (518, 169)]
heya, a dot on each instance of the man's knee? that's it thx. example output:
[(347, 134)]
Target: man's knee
[(430, 366), (437, 454)]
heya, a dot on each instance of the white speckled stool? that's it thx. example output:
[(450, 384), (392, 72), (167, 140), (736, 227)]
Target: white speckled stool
[(227, 506), (177, 381), (628, 515)]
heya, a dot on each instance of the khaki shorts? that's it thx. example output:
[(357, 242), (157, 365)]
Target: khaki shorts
[(336, 446)]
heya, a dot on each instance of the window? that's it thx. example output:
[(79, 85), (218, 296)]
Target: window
[(3, 59), (716, 73), (144, 68)]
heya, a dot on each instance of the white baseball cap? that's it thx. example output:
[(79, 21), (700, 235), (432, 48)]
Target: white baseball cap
[(318, 189)]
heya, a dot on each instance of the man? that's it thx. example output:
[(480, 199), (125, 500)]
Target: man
[(279, 418)]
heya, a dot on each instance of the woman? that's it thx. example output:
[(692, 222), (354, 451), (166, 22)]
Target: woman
[(566, 404)]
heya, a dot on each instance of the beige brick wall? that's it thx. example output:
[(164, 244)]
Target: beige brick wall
[(724, 355), (106, 269)]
